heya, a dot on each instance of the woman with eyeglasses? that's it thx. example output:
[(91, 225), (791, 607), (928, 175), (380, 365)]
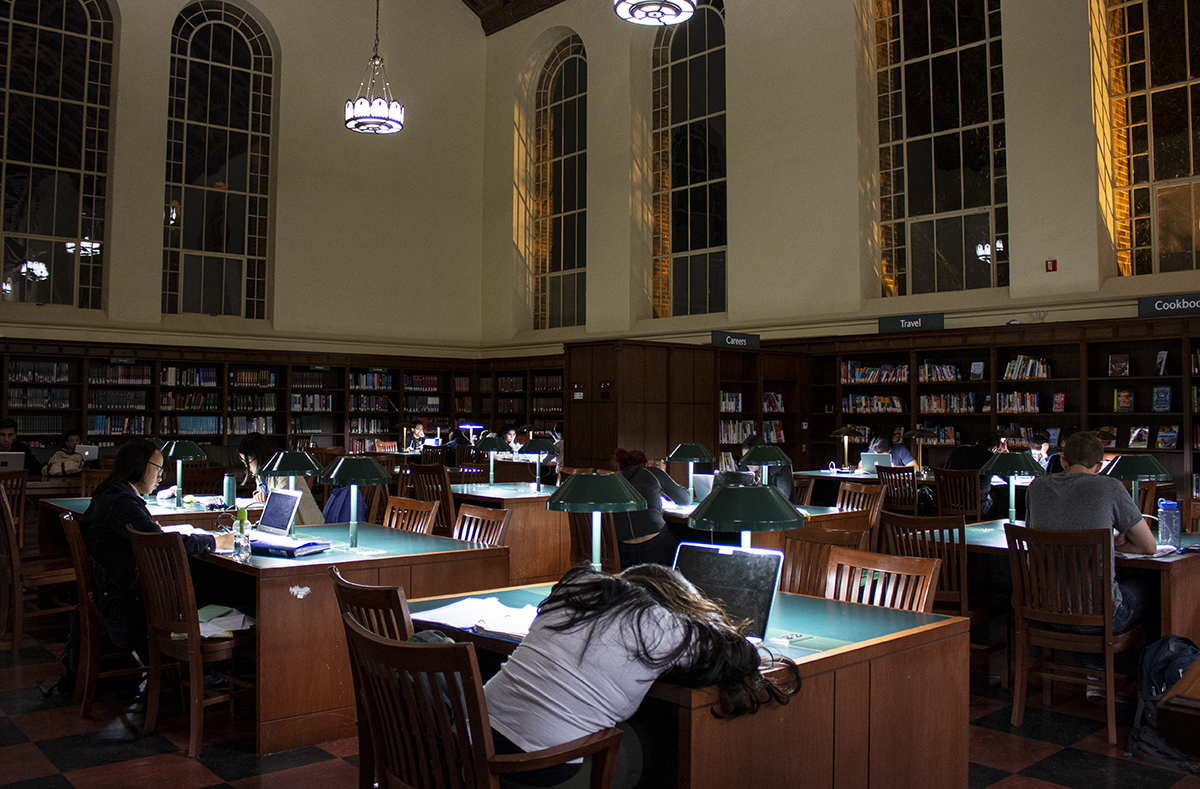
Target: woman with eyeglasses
[(117, 501), (256, 452)]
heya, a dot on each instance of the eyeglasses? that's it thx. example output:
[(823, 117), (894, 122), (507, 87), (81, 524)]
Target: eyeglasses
[(160, 468)]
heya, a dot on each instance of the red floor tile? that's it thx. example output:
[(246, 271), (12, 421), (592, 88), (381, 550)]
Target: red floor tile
[(341, 748), (1098, 742), (322, 775), (218, 727), (1187, 782), (1007, 752), (27, 676), (65, 721), (1022, 782), (175, 770), (24, 762), (981, 706)]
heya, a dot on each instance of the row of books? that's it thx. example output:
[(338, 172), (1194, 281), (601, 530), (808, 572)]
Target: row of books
[(930, 372), (118, 399), (114, 425), (370, 380), (946, 435), (21, 371), (252, 402), (1026, 368), (510, 383), (462, 405), (370, 425), (734, 432), (37, 397), (462, 383), (726, 462), (313, 402), (547, 383), (423, 404), (1160, 399), (39, 425), (308, 423), (1017, 402), (252, 378), (511, 405), (369, 403), (120, 374), (314, 379), (190, 401), (188, 376), (360, 445), (960, 403), (854, 373), (191, 425), (1167, 437), (872, 404), (546, 405), (730, 402), (772, 403), (421, 383), (773, 431), (241, 425)]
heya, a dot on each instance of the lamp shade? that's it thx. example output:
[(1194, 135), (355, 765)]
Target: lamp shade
[(690, 452), (596, 493), (183, 450), (291, 464), (766, 455), (466, 426), (492, 444), (846, 432), (538, 446), (1139, 468), (354, 470), (746, 508), (1012, 464), (919, 432)]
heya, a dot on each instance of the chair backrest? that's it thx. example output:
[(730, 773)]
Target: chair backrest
[(89, 478), (899, 488), (958, 493), (855, 496), (107, 462), (377, 498), (806, 556), (804, 487), (464, 454), (850, 520), (433, 455), (410, 514), (387, 446), (581, 540), (425, 710), (10, 556), (903, 582), (383, 610), (90, 617), (943, 537), (1062, 577), (203, 480), (166, 585), (430, 482), (481, 524), (13, 483)]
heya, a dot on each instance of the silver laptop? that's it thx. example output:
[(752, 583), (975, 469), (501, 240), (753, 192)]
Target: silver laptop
[(89, 451), (279, 512), (704, 485), (742, 580), (12, 461), (872, 459)]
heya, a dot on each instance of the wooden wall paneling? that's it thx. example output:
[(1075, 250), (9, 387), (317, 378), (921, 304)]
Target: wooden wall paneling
[(656, 443), (577, 371), (657, 373), (631, 426), (631, 372)]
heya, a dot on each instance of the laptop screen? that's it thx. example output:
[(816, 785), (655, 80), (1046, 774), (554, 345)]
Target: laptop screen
[(704, 485), (279, 511), (742, 580)]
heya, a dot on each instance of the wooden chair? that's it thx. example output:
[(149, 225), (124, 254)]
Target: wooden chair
[(22, 579), (431, 455), (92, 627), (958, 493), (481, 524), (945, 537), (377, 500), (1053, 575), (806, 557), (419, 694), (869, 498), (173, 629), (410, 514), (192, 470), (899, 488), (107, 462), (903, 582), (387, 446), (430, 482), (566, 471), (581, 540), (204, 481), (89, 478), (381, 610), (803, 487), (13, 484)]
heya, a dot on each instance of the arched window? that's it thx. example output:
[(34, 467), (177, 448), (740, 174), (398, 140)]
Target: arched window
[(942, 172), (1155, 72), (689, 202), (55, 158), (215, 238), (560, 190)]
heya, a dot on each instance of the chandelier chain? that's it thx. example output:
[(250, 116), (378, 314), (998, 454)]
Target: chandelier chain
[(376, 51)]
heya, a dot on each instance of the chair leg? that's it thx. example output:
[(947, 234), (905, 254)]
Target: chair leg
[(1110, 696), (1047, 683), (18, 621), (153, 689), (89, 668), (196, 678), (1020, 681)]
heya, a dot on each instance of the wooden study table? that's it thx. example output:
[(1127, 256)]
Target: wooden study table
[(884, 702), (49, 510), (1178, 576), (304, 693), (539, 540)]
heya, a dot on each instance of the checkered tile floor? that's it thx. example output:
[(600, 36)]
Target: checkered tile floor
[(45, 745)]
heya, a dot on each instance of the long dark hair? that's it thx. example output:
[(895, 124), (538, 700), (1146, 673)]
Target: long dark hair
[(130, 465), (715, 650)]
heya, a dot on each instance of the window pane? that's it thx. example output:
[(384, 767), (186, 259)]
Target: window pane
[(945, 92), (1175, 233), (949, 234), (922, 261), (976, 156), (920, 177), (1172, 157), (947, 173), (977, 251)]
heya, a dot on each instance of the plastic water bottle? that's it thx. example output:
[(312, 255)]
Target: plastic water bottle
[(1168, 523), (241, 540)]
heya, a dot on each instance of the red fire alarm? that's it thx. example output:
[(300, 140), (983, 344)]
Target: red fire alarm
[(1051, 265)]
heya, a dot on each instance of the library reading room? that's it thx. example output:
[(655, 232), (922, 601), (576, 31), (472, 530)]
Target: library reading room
[(377, 379)]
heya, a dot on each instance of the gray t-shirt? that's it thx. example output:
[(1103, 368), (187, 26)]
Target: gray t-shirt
[(1074, 502)]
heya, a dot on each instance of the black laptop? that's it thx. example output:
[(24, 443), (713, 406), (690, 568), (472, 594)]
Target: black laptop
[(742, 580)]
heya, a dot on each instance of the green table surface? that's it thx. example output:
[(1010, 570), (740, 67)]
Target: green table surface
[(822, 624), (157, 508), (990, 535), (374, 541), (505, 490)]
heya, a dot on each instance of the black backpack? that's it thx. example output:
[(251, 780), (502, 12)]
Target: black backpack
[(1163, 663)]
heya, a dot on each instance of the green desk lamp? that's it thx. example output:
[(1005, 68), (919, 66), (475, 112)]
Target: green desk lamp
[(291, 464), (180, 451), (765, 455), (690, 454), (539, 447), (492, 445), (354, 470), (1137, 468), (746, 509), (1011, 465), (470, 430), (596, 493)]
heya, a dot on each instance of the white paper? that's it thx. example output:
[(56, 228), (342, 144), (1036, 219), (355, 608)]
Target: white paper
[(1163, 550), (487, 613), (182, 528), (229, 623)]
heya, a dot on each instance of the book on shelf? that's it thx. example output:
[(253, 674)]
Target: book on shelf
[(987, 405), (772, 402), (1168, 437), (1122, 400), (1161, 401), (976, 371), (930, 372), (731, 402), (1160, 363), (854, 373), (1024, 368), (1060, 402), (773, 431), (727, 462), (1118, 365), (1139, 437), (1110, 429)]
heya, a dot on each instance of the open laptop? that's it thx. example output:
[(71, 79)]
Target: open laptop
[(704, 486), (742, 580), (872, 459), (12, 461), (89, 451), (279, 512)]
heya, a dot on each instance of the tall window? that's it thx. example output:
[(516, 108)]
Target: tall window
[(56, 58), (943, 192), (560, 204), (1155, 60), (215, 238), (689, 208)]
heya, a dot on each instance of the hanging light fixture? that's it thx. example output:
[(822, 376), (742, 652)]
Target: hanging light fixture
[(655, 12), (374, 111)]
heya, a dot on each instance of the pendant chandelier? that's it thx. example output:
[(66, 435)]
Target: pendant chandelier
[(373, 111), (655, 12)]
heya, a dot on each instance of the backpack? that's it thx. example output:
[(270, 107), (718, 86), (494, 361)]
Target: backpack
[(63, 463), (337, 507), (1163, 663)]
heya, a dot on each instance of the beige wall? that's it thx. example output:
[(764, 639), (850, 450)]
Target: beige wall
[(417, 243)]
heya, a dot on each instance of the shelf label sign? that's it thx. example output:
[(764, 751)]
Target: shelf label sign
[(726, 339), (928, 321), (1175, 304)]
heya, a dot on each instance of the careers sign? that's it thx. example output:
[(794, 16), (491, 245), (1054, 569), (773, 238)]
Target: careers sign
[(727, 340), (1176, 304)]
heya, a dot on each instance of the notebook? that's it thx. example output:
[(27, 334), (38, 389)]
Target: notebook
[(872, 459), (742, 580), (12, 461)]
